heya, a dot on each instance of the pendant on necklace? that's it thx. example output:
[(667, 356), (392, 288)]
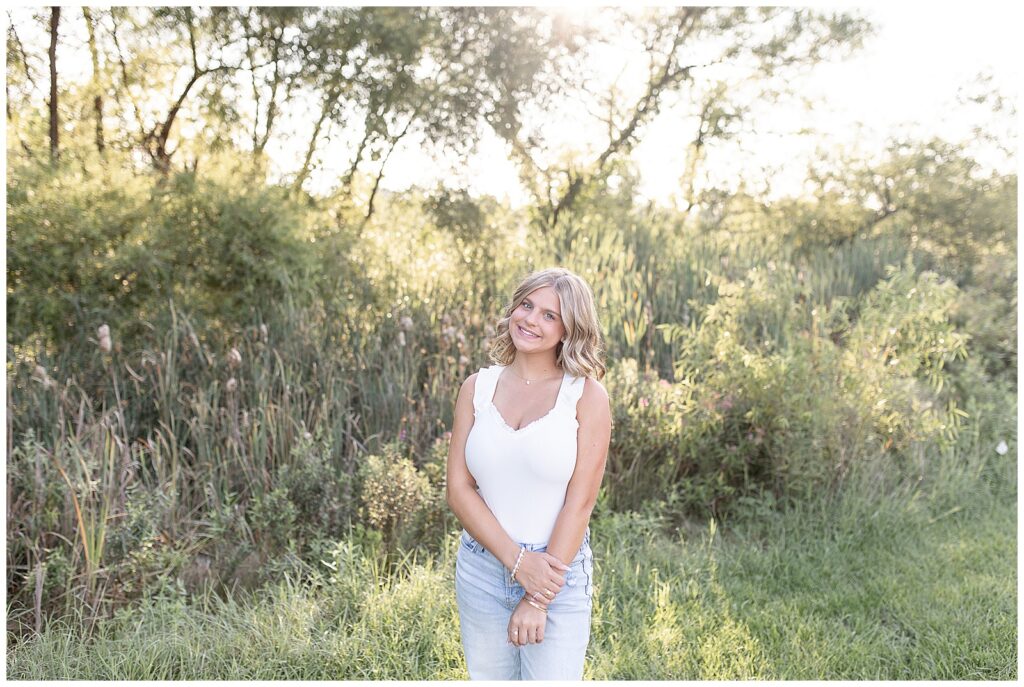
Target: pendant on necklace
[(527, 381)]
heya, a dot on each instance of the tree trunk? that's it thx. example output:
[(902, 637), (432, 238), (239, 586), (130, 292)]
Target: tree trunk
[(97, 87), (161, 156), (54, 123), (307, 162)]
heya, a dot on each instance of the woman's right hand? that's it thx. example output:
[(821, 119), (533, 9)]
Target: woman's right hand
[(542, 576)]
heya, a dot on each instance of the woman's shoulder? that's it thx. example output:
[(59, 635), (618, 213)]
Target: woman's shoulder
[(469, 384), (593, 392)]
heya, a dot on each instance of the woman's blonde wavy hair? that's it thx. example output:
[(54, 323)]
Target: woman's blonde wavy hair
[(582, 353)]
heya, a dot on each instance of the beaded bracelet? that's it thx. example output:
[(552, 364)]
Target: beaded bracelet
[(512, 577)]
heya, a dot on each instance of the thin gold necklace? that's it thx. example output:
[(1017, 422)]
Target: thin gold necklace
[(529, 381)]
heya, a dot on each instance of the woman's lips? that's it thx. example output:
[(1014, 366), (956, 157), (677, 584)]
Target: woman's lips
[(526, 333)]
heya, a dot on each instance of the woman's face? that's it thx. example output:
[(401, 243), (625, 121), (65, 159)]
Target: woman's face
[(536, 324)]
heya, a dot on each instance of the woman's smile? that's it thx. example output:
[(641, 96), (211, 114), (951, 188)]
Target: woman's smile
[(527, 333)]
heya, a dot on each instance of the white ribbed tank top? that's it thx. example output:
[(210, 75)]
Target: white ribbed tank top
[(522, 474)]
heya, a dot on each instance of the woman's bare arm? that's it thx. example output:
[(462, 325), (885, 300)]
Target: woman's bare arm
[(462, 496), (594, 415)]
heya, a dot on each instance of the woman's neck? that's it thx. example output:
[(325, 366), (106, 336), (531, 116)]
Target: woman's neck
[(535, 366)]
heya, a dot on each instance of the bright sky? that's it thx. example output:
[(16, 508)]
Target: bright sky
[(904, 80)]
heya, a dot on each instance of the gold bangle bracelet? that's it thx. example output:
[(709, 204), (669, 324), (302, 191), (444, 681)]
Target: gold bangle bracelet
[(537, 606)]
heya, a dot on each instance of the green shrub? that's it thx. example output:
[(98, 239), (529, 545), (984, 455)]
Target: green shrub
[(396, 498), (769, 408), (272, 517), (322, 500)]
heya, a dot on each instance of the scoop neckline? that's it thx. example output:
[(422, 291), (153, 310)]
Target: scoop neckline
[(501, 418)]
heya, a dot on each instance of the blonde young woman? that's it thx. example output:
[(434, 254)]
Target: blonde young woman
[(527, 454)]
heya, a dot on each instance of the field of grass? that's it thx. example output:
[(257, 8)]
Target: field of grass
[(908, 586)]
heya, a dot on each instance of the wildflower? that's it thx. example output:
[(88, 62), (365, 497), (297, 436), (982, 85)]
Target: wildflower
[(463, 361), (104, 334), (1002, 448), (231, 385), (664, 382), (448, 333), (405, 323), (234, 358), (644, 403), (401, 434)]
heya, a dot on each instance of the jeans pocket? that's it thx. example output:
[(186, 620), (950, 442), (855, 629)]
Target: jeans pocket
[(471, 545)]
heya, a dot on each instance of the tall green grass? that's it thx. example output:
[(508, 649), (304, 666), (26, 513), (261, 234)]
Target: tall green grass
[(866, 585)]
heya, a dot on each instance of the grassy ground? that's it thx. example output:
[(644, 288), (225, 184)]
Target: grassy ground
[(883, 588), (806, 597)]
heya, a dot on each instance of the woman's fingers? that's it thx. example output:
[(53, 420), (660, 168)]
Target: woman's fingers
[(554, 562), (541, 573)]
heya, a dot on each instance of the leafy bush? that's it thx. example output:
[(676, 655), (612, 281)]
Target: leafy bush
[(272, 517), (769, 406), (397, 499), (118, 246), (323, 502)]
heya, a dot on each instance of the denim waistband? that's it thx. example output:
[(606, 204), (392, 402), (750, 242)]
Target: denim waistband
[(477, 546)]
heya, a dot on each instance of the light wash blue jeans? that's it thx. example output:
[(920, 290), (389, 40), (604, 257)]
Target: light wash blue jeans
[(486, 601)]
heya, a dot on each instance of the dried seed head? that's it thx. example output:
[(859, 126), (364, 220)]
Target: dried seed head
[(405, 323), (401, 338), (264, 332), (463, 361), (234, 358), (231, 385), (104, 335), (40, 375)]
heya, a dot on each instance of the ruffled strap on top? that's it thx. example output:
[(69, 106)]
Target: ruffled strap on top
[(571, 391), (486, 382)]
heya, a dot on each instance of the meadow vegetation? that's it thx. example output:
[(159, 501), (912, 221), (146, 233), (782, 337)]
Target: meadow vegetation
[(229, 405)]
